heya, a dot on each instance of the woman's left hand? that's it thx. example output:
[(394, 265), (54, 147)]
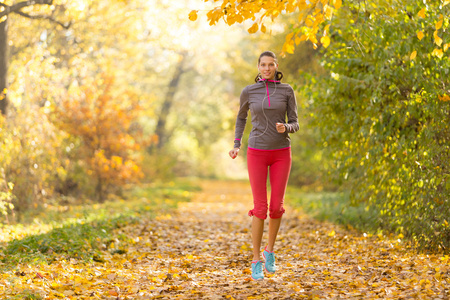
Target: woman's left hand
[(280, 127)]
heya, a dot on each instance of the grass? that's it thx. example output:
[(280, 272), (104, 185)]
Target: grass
[(335, 207), (83, 232)]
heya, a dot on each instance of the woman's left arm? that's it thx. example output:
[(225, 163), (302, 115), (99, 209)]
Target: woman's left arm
[(292, 124)]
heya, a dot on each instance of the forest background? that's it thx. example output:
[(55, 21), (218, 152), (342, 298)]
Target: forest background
[(98, 96)]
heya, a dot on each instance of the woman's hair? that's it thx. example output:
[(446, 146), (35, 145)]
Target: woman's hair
[(278, 74)]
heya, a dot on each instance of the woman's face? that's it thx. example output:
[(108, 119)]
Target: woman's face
[(267, 67)]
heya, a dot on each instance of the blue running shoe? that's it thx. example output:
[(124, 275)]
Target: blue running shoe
[(269, 256), (257, 271)]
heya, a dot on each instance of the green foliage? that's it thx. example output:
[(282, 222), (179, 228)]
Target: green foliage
[(383, 112), (335, 207)]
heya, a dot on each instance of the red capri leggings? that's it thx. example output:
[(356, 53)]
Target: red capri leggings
[(278, 164)]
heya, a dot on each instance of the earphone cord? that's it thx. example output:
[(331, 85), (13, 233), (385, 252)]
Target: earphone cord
[(262, 107)]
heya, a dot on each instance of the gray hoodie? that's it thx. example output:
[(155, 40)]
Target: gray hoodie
[(270, 102)]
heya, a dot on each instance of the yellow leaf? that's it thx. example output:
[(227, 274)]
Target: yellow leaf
[(337, 4), (289, 36), (333, 233), (420, 35), (446, 2), (328, 12), (289, 47), (446, 46), (263, 28), (302, 5), (193, 15), (437, 52), (413, 55), (439, 25), (231, 20), (297, 40), (421, 13), (325, 40), (437, 39), (254, 28)]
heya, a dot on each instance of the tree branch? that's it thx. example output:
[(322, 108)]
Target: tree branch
[(50, 18), (18, 6)]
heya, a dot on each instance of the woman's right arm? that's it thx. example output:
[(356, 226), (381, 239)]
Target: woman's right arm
[(241, 120)]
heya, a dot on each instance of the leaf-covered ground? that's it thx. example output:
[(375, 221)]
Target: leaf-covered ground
[(202, 251)]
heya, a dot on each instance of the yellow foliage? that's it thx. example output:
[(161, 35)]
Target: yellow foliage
[(422, 13), (311, 15), (325, 40), (413, 55), (193, 15), (420, 35), (446, 46), (444, 98), (263, 28), (310, 21), (302, 5), (254, 28), (289, 47), (289, 37), (337, 4), (328, 10), (437, 39), (97, 117)]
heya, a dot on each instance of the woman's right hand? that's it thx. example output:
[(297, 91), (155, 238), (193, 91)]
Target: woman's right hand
[(234, 153)]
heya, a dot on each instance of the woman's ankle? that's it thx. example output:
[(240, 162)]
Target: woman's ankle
[(268, 249)]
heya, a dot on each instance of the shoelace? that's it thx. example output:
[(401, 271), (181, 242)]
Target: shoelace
[(258, 267)]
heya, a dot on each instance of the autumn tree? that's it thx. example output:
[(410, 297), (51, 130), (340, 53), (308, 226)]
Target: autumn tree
[(5, 12), (103, 120), (383, 112)]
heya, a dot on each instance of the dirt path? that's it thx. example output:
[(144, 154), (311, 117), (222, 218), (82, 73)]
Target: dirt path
[(202, 251)]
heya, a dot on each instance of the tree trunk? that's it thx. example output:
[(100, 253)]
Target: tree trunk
[(161, 130), (3, 66)]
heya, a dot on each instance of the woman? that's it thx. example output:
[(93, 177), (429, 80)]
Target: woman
[(270, 102)]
